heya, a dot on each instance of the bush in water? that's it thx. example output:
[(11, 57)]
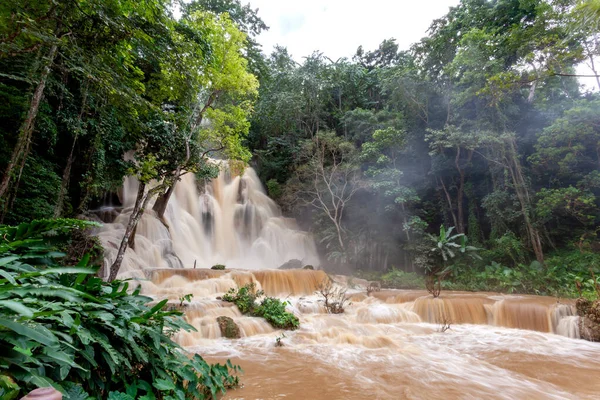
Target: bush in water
[(219, 267), (64, 327), (271, 308)]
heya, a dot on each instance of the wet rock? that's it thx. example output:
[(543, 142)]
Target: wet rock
[(583, 306), (228, 327), (374, 286), (308, 267), (589, 330), (589, 324), (292, 264)]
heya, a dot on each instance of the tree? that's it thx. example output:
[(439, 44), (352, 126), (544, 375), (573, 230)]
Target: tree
[(326, 179), (221, 92), (385, 155), (176, 141), (67, 38), (445, 248)]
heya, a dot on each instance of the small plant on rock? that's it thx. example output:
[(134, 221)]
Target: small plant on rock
[(219, 267), (273, 310), (279, 340), (187, 297)]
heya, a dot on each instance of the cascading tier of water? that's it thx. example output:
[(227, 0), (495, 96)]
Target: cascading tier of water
[(229, 220), (391, 344)]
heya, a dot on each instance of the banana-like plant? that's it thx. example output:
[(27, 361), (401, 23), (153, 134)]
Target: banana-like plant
[(445, 247)]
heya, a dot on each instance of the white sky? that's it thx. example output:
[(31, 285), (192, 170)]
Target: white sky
[(338, 27)]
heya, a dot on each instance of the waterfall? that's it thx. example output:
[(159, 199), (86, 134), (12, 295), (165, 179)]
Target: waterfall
[(229, 220)]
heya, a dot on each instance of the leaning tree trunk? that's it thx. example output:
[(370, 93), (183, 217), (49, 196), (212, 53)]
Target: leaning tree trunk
[(162, 201), (21, 149), (449, 200), (136, 214)]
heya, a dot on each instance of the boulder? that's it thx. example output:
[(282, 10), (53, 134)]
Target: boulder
[(228, 327), (589, 323), (308, 267), (292, 264)]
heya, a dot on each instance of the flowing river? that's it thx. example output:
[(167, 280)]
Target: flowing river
[(387, 345)]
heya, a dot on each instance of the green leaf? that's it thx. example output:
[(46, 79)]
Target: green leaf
[(17, 307), (40, 334), (164, 385)]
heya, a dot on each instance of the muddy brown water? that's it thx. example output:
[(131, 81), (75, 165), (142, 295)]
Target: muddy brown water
[(390, 345)]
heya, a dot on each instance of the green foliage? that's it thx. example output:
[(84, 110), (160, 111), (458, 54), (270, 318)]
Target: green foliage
[(398, 279), (557, 278), (187, 297), (219, 267), (244, 298), (39, 182), (274, 189), (273, 310), (65, 327), (445, 248), (270, 308)]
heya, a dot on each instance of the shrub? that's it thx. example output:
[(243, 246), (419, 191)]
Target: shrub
[(398, 279), (271, 309), (557, 278), (219, 267), (244, 298), (333, 296), (65, 327), (274, 189)]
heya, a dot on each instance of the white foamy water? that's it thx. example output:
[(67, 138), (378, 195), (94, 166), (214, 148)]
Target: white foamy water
[(229, 220)]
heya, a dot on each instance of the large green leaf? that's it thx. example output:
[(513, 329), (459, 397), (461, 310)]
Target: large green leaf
[(39, 334), (17, 307)]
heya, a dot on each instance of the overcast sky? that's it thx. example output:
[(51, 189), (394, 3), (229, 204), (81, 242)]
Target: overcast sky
[(338, 27)]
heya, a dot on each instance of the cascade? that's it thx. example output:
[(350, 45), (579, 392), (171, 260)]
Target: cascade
[(229, 220), (387, 345)]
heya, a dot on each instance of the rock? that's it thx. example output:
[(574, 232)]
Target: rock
[(292, 264), (228, 327), (589, 330), (594, 312), (589, 323), (374, 286), (308, 267), (583, 306)]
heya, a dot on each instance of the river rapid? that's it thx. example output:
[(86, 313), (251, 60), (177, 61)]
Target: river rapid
[(387, 345)]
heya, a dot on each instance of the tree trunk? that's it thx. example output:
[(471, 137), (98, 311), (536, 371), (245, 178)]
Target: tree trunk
[(133, 220), (461, 191), (162, 201), (525, 202), (21, 149), (339, 235), (450, 206), (67, 172), (65, 182)]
